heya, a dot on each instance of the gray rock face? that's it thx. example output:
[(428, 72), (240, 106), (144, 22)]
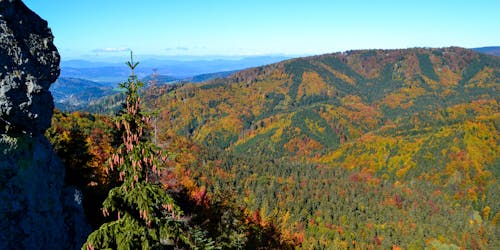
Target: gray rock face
[(29, 64), (36, 210)]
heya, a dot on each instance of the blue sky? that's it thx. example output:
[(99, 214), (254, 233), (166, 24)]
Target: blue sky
[(100, 28)]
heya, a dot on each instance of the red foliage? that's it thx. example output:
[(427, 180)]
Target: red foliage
[(377, 240), (200, 196), (398, 200)]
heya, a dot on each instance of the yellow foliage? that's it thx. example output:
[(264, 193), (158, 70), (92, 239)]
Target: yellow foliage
[(277, 136), (276, 122), (481, 144), (496, 218), (229, 125), (486, 212), (66, 136), (313, 84), (332, 156), (314, 126), (447, 77), (484, 78)]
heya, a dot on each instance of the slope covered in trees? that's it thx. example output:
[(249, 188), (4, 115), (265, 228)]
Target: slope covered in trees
[(127, 177), (310, 129), (361, 149)]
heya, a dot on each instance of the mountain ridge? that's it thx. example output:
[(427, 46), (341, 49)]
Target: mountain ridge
[(116, 72), (311, 109), (282, 135), (344, 81), (491, 50)]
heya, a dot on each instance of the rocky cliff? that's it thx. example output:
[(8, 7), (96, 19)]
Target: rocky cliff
[(37, 211)]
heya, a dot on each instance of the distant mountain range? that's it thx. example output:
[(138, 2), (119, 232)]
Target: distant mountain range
[(82, 82), (493, 50), (117, 72), (209, 76), (72, 94), (160, 79), (111, 73)]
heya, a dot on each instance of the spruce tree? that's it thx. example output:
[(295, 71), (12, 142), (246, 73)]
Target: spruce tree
[(147, 217)]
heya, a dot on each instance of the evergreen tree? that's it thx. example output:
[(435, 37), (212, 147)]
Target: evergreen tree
[(147, 216)]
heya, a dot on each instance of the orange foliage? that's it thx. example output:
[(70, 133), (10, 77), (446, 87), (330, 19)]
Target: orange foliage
[(357, 111), (302, 147), (447, 77), (403, 98)]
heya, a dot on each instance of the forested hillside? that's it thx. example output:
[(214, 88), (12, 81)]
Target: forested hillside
[(71, 94), (359, 148), (355, 150)]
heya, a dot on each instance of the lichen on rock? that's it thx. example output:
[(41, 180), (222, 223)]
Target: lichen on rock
[(37, 211)]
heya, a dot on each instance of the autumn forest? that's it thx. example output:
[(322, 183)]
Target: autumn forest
[(369, 149)]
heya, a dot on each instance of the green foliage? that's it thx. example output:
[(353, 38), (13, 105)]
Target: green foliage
[(427, 67), (316, 128), (296, 70), (273, 99), (327, 206), (108, 105), (147, 215), (201, 239), (212, 85), (440, 246), (258, 145), (471, 70)]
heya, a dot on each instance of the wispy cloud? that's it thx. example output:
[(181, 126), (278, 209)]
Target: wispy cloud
[(177, 49), (110, 50)]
